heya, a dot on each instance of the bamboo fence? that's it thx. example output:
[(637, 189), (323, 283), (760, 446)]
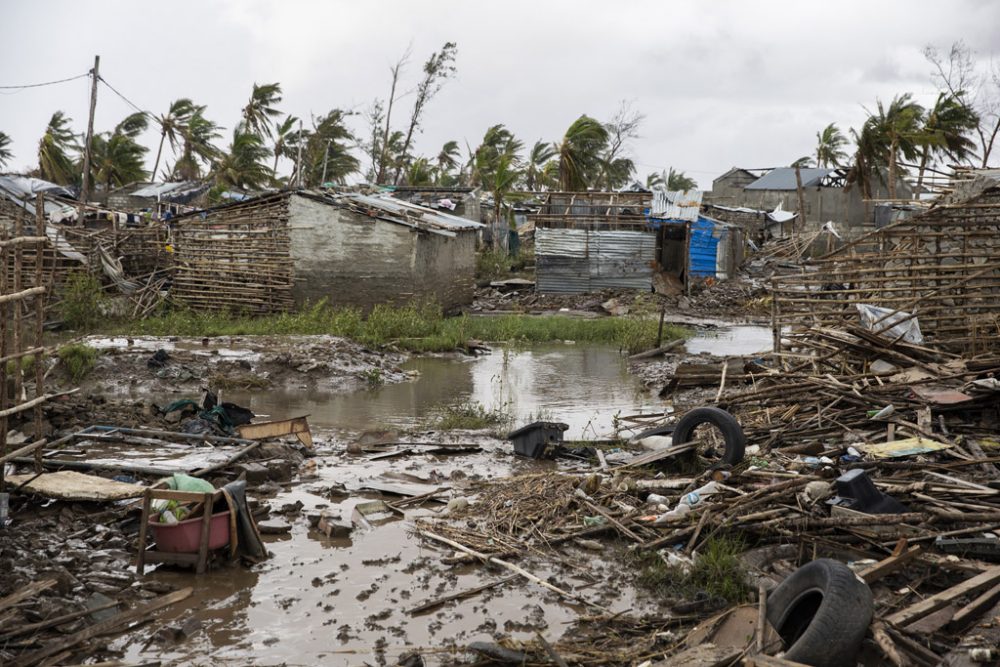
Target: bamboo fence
[(941, 267), (236, 258)]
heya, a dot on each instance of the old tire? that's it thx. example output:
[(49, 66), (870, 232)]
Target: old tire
[(822, 612), (736, 442)]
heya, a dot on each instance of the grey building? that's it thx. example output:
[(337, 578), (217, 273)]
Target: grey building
[(826, 196)]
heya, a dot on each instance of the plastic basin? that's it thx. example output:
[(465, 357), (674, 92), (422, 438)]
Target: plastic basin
[(185, 536)]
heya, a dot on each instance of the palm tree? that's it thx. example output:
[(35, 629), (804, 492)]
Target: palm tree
[(534, 173), (447, 159), (616, 173), (326, 153), (54, 161), (679, 181), (498, 141), (243, 166), (197, 147), (116, 157), (655, 180), (901, 129), (5, 152), (869, 158), (580, 153), (171, 124), (947, 125), (830, 143), (284, 141), (420, 172), (260, 111)]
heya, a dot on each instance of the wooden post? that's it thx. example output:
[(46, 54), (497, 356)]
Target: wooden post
[(3, 353), (140, 565), (94, 75), (802, 202), (206, 526), (39, 326)]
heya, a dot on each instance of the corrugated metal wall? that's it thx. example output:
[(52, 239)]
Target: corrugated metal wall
[(573, 261), (704, 248)]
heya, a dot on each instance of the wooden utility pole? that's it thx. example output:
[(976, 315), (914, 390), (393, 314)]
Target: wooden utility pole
[(95, 75), (298, 159), (802, 201)]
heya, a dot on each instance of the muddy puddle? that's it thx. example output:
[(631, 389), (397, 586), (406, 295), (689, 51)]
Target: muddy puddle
[(345, 601), (585, 386), (736, 340)]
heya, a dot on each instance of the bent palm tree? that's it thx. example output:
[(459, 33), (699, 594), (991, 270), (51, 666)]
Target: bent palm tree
[(678, 180), (197, 147), (243, 166), (947, 124), (5, 152), (830, 143), (900, 126), (534, 173), (580, 153), (260, 111), (116, 157), (284, 138), (171, 124), (54, 161)]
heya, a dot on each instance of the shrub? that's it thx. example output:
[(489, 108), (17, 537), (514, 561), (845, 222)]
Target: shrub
[(78, 359)]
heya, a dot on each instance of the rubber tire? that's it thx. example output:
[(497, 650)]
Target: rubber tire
[(736, 441), (833, 634)]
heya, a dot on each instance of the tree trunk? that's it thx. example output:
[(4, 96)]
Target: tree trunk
[(388, 115), (923, 167), (159, 151), (892, 170)]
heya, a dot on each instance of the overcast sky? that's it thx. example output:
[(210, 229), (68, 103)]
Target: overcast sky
[(722, 83)]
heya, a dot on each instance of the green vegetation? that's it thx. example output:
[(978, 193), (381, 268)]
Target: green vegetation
[(471, 416), (27, 365), (81, 301), (415, 327), (717, 571), (78, 359)]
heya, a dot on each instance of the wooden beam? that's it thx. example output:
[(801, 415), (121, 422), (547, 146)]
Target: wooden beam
[(914, 612)]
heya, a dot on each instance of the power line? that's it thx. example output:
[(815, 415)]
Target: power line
[(47, 83), (127, 100)]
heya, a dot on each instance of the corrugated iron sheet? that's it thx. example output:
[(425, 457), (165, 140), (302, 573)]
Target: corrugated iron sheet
[(574, 261), (676, 204)]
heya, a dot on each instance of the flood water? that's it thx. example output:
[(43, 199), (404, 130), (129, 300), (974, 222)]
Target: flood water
[(585, 386), (737, 340)]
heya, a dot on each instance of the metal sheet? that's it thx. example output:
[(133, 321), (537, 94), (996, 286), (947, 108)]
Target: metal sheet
[(574, 261), (783, 178), (676, 204)]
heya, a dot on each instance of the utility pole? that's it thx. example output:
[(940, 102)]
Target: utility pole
[(326, 156), (298, 159), (802, 203), (95, 75)]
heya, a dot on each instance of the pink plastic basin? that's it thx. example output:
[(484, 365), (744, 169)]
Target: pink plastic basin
[(185, 536)]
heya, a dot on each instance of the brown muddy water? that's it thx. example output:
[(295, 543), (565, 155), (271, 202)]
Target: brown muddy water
[(345, 601)]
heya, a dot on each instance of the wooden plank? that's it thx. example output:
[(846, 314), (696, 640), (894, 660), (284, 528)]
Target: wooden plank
[(29, 591), (297, 426), (974, 609), (104, 627), (889, 565), (914, 612)]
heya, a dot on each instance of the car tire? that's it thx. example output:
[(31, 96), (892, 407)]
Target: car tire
[(732, 433), (821, 612)]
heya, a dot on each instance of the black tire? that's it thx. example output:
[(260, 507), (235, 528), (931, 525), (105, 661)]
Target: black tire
[(822, 612), (736, 441)]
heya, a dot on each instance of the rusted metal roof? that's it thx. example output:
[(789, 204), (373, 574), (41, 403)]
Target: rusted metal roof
[(574, 261)]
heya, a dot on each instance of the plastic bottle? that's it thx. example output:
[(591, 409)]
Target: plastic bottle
[(673, 514), (656, 498), (699, 494)]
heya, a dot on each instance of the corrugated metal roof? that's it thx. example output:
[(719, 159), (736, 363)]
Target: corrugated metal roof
[(404, 209), (783, 178), (574, 261), (23, 190), (154, 190), (676, 204)]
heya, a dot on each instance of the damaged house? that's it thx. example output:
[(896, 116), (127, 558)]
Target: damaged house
[(825, 192), (294, 248), (932, 279), (586, 242)]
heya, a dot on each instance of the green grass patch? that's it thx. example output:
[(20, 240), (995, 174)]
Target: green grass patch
[(78, 360), (414, 327), (471, 416), (717, 570), (27, 365)]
